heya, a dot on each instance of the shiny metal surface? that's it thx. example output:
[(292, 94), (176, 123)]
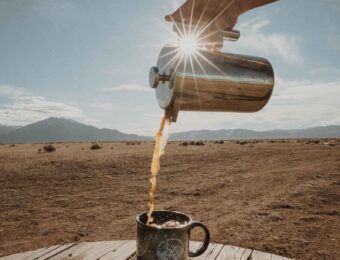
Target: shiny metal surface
[(155, 77), (185, 29), (231, 35), (212, 81)]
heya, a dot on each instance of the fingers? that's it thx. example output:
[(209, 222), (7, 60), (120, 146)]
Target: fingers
[(191, 10), (181, 13)]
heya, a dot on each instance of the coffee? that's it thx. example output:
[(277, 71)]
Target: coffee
[(155, 165), (168, 237), (169, 224)]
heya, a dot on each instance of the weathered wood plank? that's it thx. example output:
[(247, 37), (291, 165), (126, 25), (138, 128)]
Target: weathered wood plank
[(32, 255), (125, 251), (258, 255), (234, 253), (194, 245), (103, 249), (25, 255), (211, 253), (56, 251), (80, 250)]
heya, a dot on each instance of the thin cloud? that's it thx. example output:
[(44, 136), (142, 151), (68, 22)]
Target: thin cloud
[(103, 106), (128, 87), (25, 108), (254, 40), (10, 91)]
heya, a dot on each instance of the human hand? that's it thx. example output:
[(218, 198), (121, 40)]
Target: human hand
[(210, 17)]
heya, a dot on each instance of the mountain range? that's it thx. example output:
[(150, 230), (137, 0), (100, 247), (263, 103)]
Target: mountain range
[(60, 129), (315, 132), (4, 129)]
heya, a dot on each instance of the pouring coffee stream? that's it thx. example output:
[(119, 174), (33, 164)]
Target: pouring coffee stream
[(155, 165), (193, 76)]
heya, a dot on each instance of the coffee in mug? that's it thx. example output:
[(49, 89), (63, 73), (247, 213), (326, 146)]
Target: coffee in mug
[(167, 238)]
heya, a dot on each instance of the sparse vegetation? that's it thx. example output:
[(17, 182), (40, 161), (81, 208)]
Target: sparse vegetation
[(49, 148), (133, 143), (100, 177), (198, 143), (95, 146)]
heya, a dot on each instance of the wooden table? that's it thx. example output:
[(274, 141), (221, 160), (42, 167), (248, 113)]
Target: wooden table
[(126, 250)]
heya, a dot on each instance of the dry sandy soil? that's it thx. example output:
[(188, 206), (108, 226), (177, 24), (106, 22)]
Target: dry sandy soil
[(279, 197)]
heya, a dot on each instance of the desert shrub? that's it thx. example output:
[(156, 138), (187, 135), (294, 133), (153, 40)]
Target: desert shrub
[(200, 142), (39, 150), (128, 143), (49, 148), (184, 144), (95, 147), (192, 143)]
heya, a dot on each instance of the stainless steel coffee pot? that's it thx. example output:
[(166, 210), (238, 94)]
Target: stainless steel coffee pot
[(210, 81)]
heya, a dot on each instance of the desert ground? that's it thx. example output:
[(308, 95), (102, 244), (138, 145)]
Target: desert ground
[(276, 196)]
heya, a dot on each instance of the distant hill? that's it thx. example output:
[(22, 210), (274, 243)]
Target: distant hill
[(4, 129), (315, 132), (59, 129), (64, 130)]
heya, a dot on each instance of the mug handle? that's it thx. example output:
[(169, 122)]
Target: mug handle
[(206, 241)]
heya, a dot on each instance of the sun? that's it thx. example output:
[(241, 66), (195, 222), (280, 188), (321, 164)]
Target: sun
[(188, 45)]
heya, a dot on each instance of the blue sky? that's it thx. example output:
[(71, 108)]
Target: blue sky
[(89, 61)]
